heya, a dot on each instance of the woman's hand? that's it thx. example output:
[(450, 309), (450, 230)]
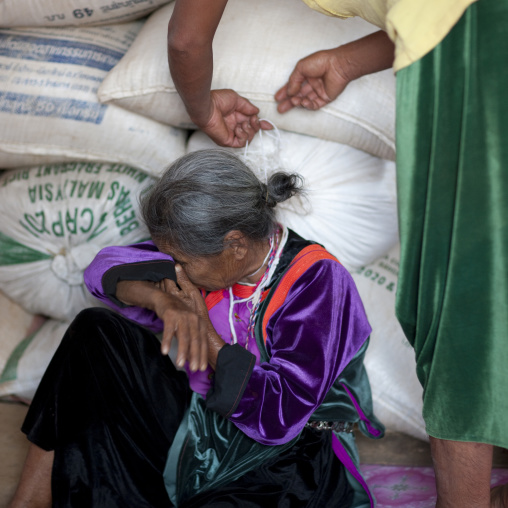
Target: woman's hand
[(177, 313), (233, 120), (186, 292), (316, 80), (191, 297)]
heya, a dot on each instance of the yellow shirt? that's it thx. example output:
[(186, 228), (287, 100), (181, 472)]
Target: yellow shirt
[(415, 26)]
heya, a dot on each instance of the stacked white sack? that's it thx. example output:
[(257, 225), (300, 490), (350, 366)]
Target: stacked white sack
[(350, 205), (256, 47), (390, 360), (27, 363), (15, 13), (49, 111), (54, 221), (17, 323)]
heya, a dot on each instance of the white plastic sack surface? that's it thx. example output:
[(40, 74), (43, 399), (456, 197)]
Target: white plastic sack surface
[(350, 204), (29, 360), (256, 47), (15, 13), (49, 111), (390, 359), (15, 324), (54, 221)]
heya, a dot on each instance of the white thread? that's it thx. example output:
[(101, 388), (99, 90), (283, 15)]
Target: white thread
[(249, 155), (264, 261), (261, 156), (259, 290)]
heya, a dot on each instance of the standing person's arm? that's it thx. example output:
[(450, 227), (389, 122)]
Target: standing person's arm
[(321, 77), (227, 118)]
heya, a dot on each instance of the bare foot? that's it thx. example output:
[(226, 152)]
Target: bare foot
[(499, 496), (463, 471), (34, 489)]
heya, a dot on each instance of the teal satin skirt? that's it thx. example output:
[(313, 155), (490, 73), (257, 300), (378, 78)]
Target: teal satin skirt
[(452, 170)]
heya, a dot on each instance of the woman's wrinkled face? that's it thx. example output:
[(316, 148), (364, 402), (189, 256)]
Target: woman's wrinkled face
[(210, 273)]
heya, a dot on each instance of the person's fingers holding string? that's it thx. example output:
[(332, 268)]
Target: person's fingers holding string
[(234, 120)]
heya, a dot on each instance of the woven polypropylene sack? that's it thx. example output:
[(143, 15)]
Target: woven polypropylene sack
[(27, 362), (350, 200), (390, 360), (49, 111), (54, 221), (16, 13), (16, 325), (256, 47)]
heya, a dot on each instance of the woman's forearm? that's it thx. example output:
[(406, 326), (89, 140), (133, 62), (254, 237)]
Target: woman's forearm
[(149, 296), (139, 293), (190, 35), (215, 344)]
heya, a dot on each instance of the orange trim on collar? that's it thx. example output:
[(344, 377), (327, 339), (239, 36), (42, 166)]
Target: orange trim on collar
[(239, 290), (213, 298), (304, 260)]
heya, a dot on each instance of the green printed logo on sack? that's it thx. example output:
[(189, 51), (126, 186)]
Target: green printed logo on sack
[(56, 218)]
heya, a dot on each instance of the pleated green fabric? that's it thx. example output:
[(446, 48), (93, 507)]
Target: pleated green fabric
[(452, 171)]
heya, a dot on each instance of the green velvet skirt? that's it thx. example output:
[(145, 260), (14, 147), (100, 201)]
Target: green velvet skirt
[(452, 171)]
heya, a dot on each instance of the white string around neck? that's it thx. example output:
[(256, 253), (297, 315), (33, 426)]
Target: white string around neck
[(255, 297)]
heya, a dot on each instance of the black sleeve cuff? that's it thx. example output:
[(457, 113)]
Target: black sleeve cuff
[(232, 373), (153, 271)]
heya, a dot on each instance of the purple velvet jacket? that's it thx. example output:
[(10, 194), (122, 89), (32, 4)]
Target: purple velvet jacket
[(311, 338)]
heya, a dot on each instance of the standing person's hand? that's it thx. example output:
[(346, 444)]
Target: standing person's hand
[(321, 77), (233, 119), (315, 81), (225, 116)]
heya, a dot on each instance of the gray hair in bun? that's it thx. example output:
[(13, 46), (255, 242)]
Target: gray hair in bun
[(208, 193)]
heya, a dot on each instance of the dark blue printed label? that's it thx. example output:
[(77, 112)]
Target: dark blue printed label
[(53, 107), (39, 49)]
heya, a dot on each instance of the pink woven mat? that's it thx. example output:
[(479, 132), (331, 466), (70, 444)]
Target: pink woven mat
[(410, 487)]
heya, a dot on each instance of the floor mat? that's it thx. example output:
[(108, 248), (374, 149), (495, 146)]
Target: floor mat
[(410, 487)]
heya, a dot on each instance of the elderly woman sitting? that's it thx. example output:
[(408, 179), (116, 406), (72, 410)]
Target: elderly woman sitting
[(270, 329)]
